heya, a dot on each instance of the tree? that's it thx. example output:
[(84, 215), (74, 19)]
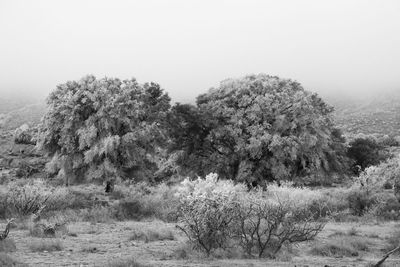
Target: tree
[(365, 152), (255, 129), (104, 128)]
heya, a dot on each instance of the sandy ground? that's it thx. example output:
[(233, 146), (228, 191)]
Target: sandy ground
[(99, 244)]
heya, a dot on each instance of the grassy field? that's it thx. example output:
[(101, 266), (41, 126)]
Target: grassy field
[(156, 243)]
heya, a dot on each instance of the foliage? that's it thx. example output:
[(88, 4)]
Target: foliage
[(24, 135), (360, 201), (142, 200), (207, 212), (216, 214), (267, 224), (387, 207), (255, 129), (104, 128), (26, 199), (365, 152)]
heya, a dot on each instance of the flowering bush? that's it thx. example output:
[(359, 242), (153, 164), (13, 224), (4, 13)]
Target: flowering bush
[(207, 211), (215, 214)]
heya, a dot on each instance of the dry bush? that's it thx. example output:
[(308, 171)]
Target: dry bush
[(332, 204), (29, 198), (51, 228), (141, 200), (207, 212), (48, 245), (217, 214), (267, 223), (208, 223)]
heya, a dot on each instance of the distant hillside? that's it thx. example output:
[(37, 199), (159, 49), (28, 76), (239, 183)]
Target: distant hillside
[(29, 114), (378, 114), (9, 103)]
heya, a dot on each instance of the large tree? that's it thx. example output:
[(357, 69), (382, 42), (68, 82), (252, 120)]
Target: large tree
[(255, 129), (104, 128)]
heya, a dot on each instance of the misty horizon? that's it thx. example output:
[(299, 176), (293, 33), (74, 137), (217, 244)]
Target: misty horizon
[(347, 48)]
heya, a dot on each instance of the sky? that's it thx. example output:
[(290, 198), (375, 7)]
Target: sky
[(334, 47)]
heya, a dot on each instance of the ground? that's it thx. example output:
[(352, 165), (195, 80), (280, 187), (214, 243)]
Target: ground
[(89, 244)]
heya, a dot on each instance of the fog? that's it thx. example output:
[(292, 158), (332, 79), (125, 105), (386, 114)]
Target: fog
[(332, 47)]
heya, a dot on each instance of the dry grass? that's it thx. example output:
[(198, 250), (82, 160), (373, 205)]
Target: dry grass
[(151, 235), (7, 245), (111, 241), (8, 261), (126, 263), (48, 245)]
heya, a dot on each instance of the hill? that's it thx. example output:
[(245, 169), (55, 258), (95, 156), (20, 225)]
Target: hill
[(29, 114), (379, 113)]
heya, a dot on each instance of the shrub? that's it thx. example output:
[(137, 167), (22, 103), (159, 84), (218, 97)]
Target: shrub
[(29, 198), (142, 200), (387, 208), (361, 201), (267, 224), (131, 209), (48, 245), (366, 152), (333, 203), (214, 214), (24, 135), (207, 212), (49, 228)]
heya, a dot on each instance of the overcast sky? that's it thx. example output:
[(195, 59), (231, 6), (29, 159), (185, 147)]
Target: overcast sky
[(189, 46)]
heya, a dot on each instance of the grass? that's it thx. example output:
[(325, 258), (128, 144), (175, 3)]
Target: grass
[(126, 263), (7, 245), (342, 245), (335, 249), (8, 261), (392, 242), (48, 245), (150, 235)]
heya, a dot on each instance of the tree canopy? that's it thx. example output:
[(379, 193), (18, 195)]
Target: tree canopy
[(104, 128), (365, 152), (254, 129)]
